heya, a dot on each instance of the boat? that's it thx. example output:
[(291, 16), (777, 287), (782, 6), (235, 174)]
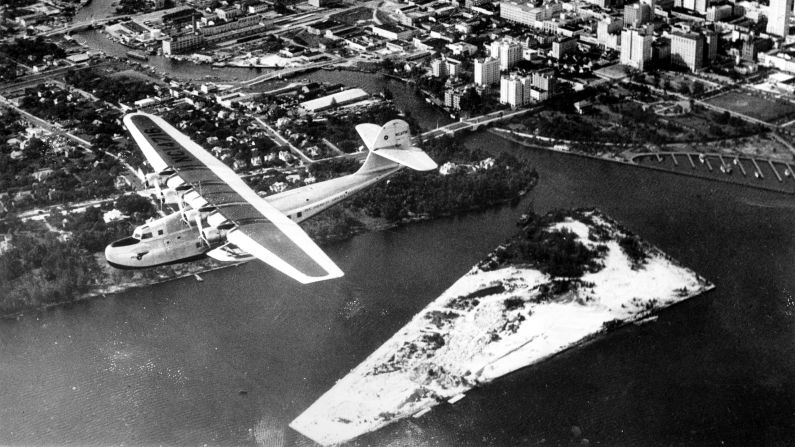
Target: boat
[(135, 54), (198, 278)]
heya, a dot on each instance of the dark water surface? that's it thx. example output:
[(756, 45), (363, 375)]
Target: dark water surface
[(233, 359)]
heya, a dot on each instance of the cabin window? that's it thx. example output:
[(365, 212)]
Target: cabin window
[(198, 245), (159, 232), (299, 214)]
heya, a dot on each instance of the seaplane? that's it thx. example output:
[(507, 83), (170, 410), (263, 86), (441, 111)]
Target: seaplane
[(221, 217)]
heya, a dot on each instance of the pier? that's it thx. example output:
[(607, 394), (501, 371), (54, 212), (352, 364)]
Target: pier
[(773, 168), (764, 169), (758, 169)]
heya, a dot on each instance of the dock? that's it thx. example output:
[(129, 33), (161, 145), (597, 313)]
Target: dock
[(758, 172), (773, 168), (720, 167)]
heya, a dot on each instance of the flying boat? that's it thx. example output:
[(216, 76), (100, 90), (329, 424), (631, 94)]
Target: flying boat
[(220, 216)]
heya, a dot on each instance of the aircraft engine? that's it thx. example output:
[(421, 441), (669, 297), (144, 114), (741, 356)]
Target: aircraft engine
[(174, 181), (170, 196), (190, 215), (193, 198), (215, 219), (213, 234)]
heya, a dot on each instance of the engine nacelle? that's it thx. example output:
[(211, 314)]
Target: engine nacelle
[(170, 196), (193, 199), (215, 219), (174, 181), (213, 234), (190, 215)]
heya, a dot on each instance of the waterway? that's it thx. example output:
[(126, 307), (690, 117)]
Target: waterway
[(231, 360)]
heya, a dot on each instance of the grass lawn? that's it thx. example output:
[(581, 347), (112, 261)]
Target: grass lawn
[(754, 106)]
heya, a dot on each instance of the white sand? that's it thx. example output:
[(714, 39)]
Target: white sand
[(486, 340)]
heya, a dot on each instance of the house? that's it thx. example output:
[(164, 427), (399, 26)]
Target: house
[(278, 187), (42, 174)]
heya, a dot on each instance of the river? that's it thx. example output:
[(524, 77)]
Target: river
[(231, 360)]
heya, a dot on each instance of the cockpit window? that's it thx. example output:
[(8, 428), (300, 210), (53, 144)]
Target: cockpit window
[(146, 235)]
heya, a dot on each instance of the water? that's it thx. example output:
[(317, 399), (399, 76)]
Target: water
[(167, 364), (182, 70)]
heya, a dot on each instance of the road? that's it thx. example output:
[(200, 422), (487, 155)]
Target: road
[(283, 142)]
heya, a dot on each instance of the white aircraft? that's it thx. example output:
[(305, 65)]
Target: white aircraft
[(221, 217)]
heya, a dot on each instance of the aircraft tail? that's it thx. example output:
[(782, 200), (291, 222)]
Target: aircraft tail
[(390, 145)]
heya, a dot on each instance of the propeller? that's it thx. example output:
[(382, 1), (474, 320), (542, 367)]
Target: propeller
[(201, 230)]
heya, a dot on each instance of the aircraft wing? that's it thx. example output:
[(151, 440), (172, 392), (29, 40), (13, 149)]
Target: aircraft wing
[(259, 228)]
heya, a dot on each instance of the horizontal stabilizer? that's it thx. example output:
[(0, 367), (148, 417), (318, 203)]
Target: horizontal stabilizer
[(413, 157)]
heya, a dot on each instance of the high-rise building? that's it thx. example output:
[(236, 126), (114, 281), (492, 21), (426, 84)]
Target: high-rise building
[(487, 71), (526, 13), (710, 46), (544, 80), (520, 90), (687, 50), (453, 67), (754, 46), (637, 14), (439, 68), (507, 51), (511, 91), (608, 32), (635, 48), (563, 46), (778, 14)]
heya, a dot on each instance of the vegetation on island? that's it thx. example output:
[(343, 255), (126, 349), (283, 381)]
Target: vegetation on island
[(555, 251), (40, 269), (44, 267), (408, 195), (411, 195)]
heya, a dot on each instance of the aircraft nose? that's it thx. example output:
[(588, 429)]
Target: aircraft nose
[(114, 252)]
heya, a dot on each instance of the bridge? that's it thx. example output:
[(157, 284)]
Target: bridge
[(475, 123), (285, 72), (79, 26)]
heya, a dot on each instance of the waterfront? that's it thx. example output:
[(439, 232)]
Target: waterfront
[(182, 70), (222, 362)]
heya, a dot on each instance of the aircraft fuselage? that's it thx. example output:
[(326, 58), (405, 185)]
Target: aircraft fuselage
[(176, 238)]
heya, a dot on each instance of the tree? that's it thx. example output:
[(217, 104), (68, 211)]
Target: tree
[(130, 204)]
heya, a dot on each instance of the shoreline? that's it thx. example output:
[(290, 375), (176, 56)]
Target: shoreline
[(505, 314), (506, 134), (195, 268)]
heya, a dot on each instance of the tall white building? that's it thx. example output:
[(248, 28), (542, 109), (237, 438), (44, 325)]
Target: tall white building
[(487, 71), (439, 68), (778, 14), (520, 90), (512, 91), (608, 32), (507, 51), (635, 48), (637, 14)]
